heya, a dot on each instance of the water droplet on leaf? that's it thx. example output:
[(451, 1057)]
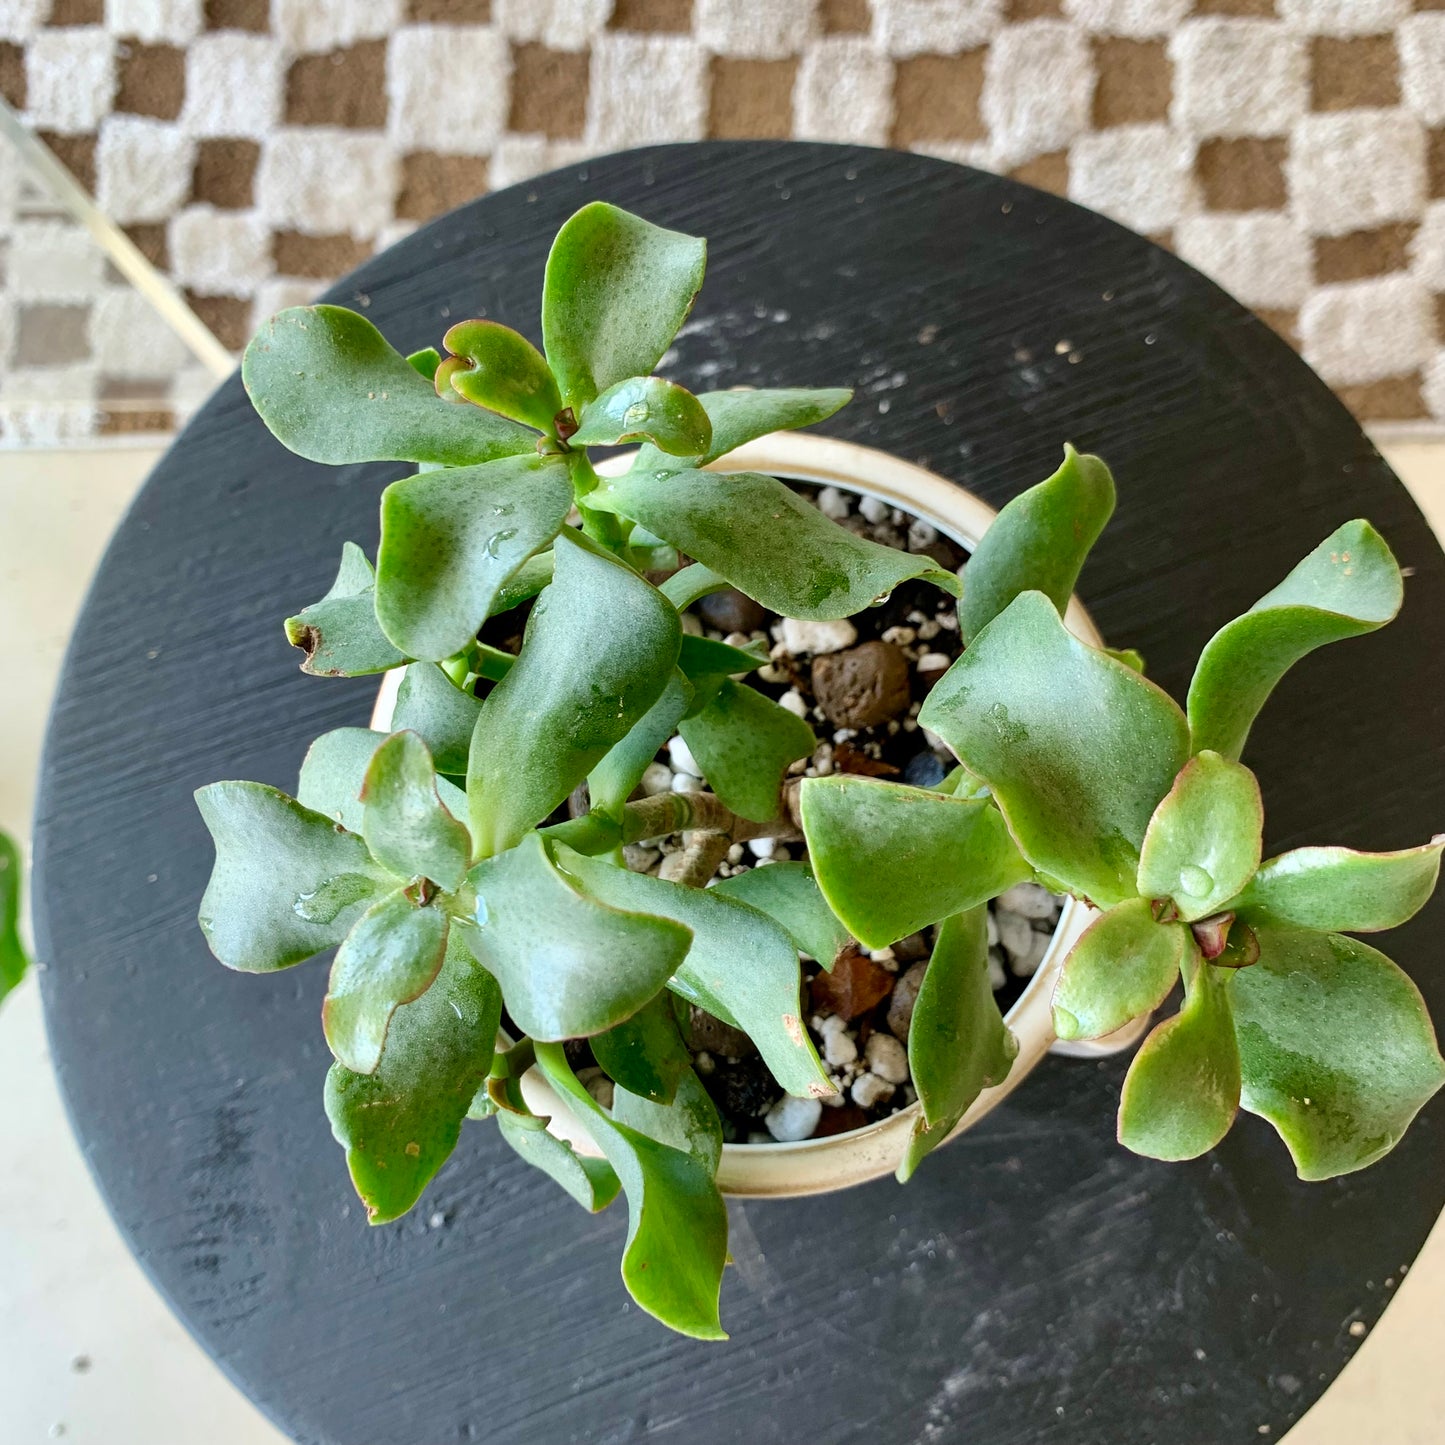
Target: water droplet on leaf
[(324, 903), (1195, 880), (498, 539)]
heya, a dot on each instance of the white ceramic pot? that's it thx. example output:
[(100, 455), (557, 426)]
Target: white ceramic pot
[(818, 1166)]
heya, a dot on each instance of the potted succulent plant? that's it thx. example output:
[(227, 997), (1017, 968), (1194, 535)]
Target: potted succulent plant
[(578, 878)]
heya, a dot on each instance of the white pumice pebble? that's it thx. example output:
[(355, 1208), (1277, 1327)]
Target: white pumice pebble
[(1028, 900), (928, 630), (656, 778), (1026, 964), (843, 735), (838, 1047), (869, 1089), (792, 1120), (921, 534), (691, 625), (900, 636), (887, 1058), (935, 662), (793, 701), (948, 621), (874, 509), (762, 847), (781, 855), (833, 503), (686, 783), (681, 757), (736, 852), (935, 742), (769, 673), (992, 930), (738, 639), (703, 1062), (817, 637), (1014, 933), (881, 955)]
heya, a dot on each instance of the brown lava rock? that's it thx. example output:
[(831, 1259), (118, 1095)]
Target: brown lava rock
[(731, 611), (862, 687), (855, 985)]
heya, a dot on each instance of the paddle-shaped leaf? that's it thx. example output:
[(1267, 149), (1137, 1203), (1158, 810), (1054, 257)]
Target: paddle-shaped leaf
[(744, 742), (1182, 1090), (677, 1225), (287, 882), (330, 388), (1337, 1049), (743, 416), (507, 373), (389, 958), (686, 1118), (779, 549), (1205, 838), (405, 823), (645, 1054), (1077, 748), (611, 782), (14, 961), (334, 773), (1337, 890), (958, 1043), (1038, 542), (1123, 965), (593, 1183), (788, 893), (400, 1124), (1350, 584), (575, 692), (616, 290), (646, 408), (892, 859), (684, 588), (569, 962), (449, 541), (431, 705), (689, 1123), (702, 658), (741, 967), (340, 634)]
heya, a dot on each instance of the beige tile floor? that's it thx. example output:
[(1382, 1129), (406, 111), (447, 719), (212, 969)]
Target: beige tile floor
[(88, 1351)]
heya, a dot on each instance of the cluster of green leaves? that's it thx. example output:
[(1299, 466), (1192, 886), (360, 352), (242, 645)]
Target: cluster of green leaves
[(422, 857), (427, 860), (1101, 786)]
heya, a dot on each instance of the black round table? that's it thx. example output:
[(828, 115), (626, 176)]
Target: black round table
[(1036, 1283)]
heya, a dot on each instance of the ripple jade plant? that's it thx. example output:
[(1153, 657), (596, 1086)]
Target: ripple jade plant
[(427, 859)]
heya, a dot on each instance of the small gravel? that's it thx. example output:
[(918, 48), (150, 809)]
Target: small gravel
[(681, 758), (791, 1120), (839, 1047), (887, 1058), (802, 638), (869, 1090)]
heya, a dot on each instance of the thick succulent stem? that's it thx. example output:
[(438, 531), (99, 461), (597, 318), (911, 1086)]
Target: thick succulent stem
[(666, 813), (697, 860)]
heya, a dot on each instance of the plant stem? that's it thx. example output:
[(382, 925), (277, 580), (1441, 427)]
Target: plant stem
[(666, 813), (697, 860)]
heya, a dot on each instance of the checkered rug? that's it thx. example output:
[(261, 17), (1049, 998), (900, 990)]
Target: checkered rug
[(254, 149)]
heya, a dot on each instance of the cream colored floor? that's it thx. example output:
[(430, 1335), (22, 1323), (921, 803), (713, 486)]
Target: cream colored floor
[(87, 1350)]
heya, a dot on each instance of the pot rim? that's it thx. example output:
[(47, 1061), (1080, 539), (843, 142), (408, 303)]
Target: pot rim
[(814, 1166)]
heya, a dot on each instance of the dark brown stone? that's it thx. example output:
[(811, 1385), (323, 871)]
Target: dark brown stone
[(863, 686), (731, 611), (853, 760), (855, 985), (840, 1120)]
